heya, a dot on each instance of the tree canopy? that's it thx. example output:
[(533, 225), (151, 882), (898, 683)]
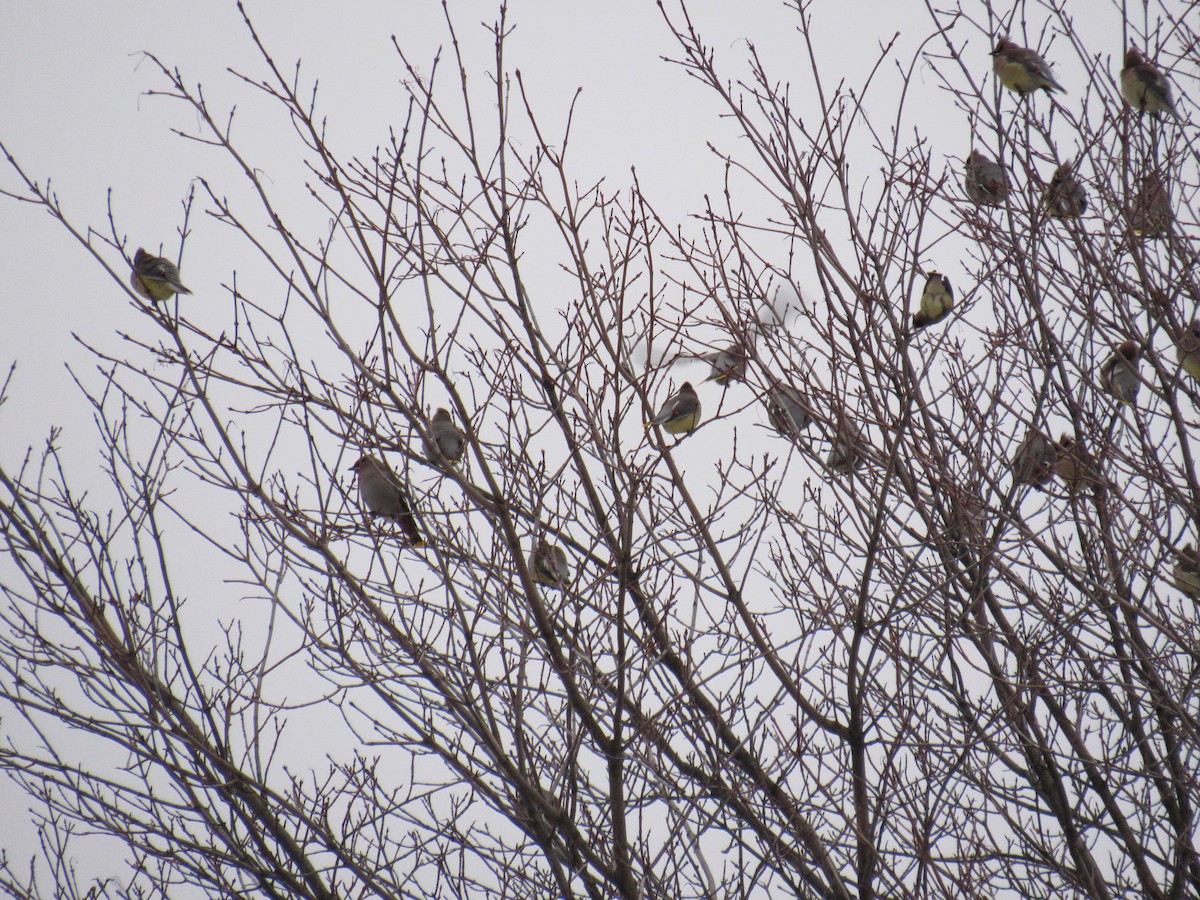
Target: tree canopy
[(902, 604)]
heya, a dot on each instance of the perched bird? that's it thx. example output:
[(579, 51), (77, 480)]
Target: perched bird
[(154, 277), (1074, 466), (986, 182), (728, 364), (964, 519), (1119, 373), (1187, 348), (937, 299), (447, 442), (1187, 571), (1144, 87), (681, 413), (848, 451), (550, 566), (1035, 459), (1020, 69), (1151, 214), (383, 495), (788, 410), (1065, 198)]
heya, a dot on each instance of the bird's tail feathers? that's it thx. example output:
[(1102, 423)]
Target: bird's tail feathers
[(408, 524)]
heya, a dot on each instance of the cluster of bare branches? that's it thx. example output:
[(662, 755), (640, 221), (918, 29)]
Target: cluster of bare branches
[(854, 654)]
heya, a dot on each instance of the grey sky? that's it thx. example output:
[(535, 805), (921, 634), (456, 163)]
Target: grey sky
[(72, 107)]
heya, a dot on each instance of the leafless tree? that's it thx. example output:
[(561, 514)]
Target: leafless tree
[(865, 656)]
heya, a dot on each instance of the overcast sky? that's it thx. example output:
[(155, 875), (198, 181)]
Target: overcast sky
[(72, 108)]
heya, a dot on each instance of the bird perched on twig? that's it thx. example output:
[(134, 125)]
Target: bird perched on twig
[(848, 451), (728, 364), (1119, 373), (1187, 570), (1035, 459), (788, 410), (937, 299), (681, 413), (1065, 198), (446, 441), (549, 565), (383, 495), (1151, 214), (1074, 466), (1187, 349), (1020, 69), (1144, 87), (155, 277), (985, 182)]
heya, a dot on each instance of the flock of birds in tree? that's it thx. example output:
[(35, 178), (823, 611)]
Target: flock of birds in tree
[(1039, 458)]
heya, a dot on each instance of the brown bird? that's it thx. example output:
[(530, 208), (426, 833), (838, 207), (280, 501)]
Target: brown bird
[(550, 566), (1020, 69), (937, 299), (155, 277), (728, 364), (447, 441), (681, 413), (985, 182), (1187, 571), (964, 519), (848, 451), (1074, 466), (1065, 198), (1035, 459), (383, 495), (1144, 87), (1151, 214), (1119, 373), (1187, 349), (788, 410)]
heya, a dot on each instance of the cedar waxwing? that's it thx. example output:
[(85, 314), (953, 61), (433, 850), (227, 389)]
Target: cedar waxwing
[(681, 413), (964, 518), (937, 299), (728, 364), (1187, 348), (383, 495), (154, 277), (788, 410), (1074, 466), (1035, 459), (1144, 87), (550, 566), (1119, 373), (448, 441), (986, 182), (1151, 214), (1020, 69), (1187, 571), (1065, 198), (847, 452)]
